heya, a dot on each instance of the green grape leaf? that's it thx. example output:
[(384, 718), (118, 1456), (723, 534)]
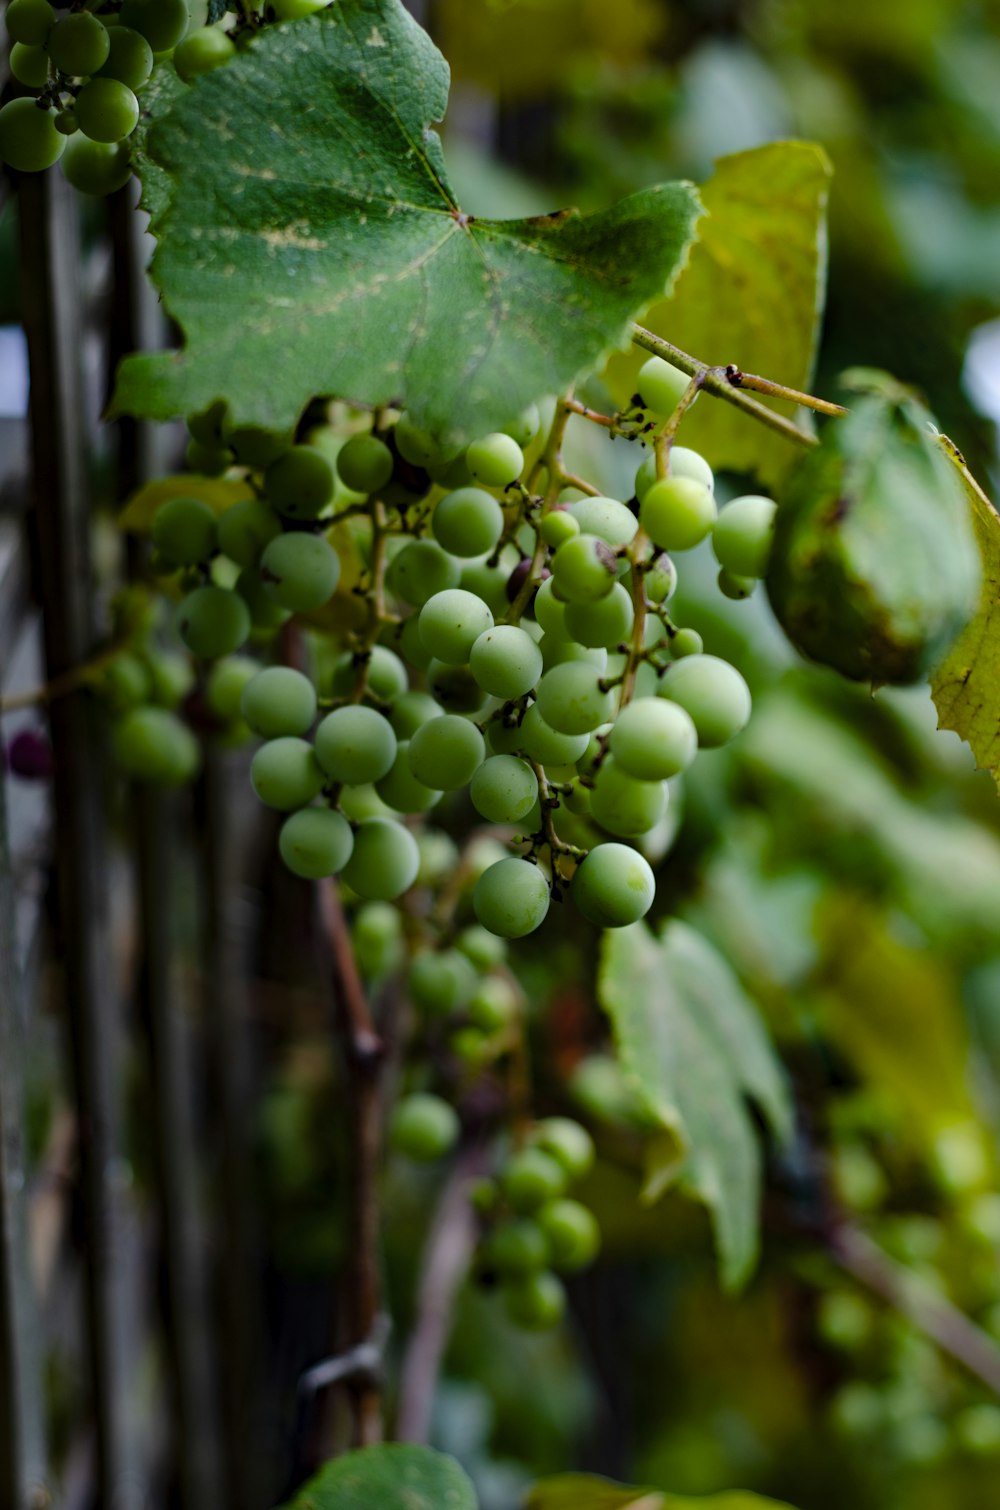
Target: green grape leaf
[(311, 244), (393, 1476), (752, 293), (583, 1491), (966, 685), (693, 1045)]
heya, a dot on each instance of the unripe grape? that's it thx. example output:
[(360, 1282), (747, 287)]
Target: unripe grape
[(518, 1247), (532, 1178), (488, 580), (401, 789), (183, 528), (299, 483), (654, 739), (480, 946), (385, 860), (364, 463), (420, 571), (535, 1301), (525, 427), (416, 446), (549, 612), (445, 752), (496, 460), (571, 699), (660, 582), (315, 842), (29, 65), (558, 527), (125, 681), (661, 386), (734, 587), (467, 522), (584, 569), (681, 462), (572, 1234), (440, 981), (106, 110), (162, 22), (686, 642), (213, 621), (609, 520), (613, 886), (79, 44), (226, 683), (246, 529), (279, 701), (29, 21), (504, 789), (511, 898), (171, 677), (358, 803), (386, 674), (99, 168), (677, 514), (450, 624), (265, 615), (151, 744), (410, 710), (438, 856), (455, 688), (377, 935), (605, 623), (623, 805), (292, 10), (130, 58), (300, 572), (254, 446), (29, 140), (505, 661), (424, 1128), (202, 51), (742, 535), (566, 1139), (355, 745), (65, 123), (713, 693), (546, 745), (286, 774), (493, 1005)]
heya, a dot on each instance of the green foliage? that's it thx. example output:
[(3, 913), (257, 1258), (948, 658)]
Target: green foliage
[(393, 1476), (583, 1491)]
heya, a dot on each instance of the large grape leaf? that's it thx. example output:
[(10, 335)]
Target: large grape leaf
[(583, 1491), (393, 1476), (752, 293), (311, 244), (966, 685), (692, 1043)]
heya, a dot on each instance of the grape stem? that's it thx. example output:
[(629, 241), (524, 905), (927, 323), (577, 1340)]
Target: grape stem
[(779, 390), (548, 836), (549, 462), (666, 433), (60, 686)]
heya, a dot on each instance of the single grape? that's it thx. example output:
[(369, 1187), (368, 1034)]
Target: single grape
[(420, 571), (681, 462), (493, 1005), (440, 981), (546, 745), (385, 860), (29, 140), (450, 624), (125, 681), (79, 44), (300, 572), (246, 529), (286, 774), (518, 1247), (550, 613), (613, 886), (686, 642), (151, 744), (609, 520), (568, 1141), (184, 530), (424, 1128), (171, 677), (532, 1178), (467, 522), (451, 473), (504, 789), (496, 460), (438, 856), (30, 22), (99, 168), (558, 527), (410, 710), (377, 935), (623, 805), (364, 463), (488, 580), (455, 687), (654, 739), (265, 615), (677, 514), (484, 949), (106, 110), (360, 802), (255, 447), (732, 586), (661, 386), (742, 536), (201, 51), (414, 445), (606, 623), (445, 752), (386, 674), (572, 1234), (226, 683), (505, 661), (511, 898), (162, 22), (279, 701), (65, 123), (299, 483), (660, 581), (315, 842), (535, 1301), (713, 692), (525, 427), (213, 621), (130, 59), (355, 745), (571, 699), (29, 65), (584, 569), (401, 789), (208, 461)]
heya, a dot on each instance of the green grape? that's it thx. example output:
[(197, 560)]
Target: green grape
[(99, 168), (518, 1247), (246, 529), (681, 462), (455, 687), (315, 842), (226, 683), (525, 427), (377, 935), (614, 886), (511, 898), (424, 1128), (504, 789), (130, 59), (584, 569), (421, 571), (364, 463), (438, 856), (416, 446), (126, 681), (201, 51), (207, 426), (732, 586), (742, 535), (385, 860), (661, 386), (300, 572), (557, 652), (387, 677), (532, 1178), (213, 621), (547, 745), (502, 738), (286, 774), (484, 949), (568, 1141), (401, 789), (445, 752), (265, 615), (535, 1301), (978, 1429), (65, 124), (208, 461), (654, 739), (279, 701), (255, 447), (162, 22), (843, 1320), (171, 677), (106, 110), (713, 692), (677, 514), (360, 802), (151, 744), (496, 460), (660, 581), (30, 22), (355, 745), (606, 623), (79, 44), (453, 473), (623, 805), (299, 483), (467, 522), (609, 520), (184, 530), (450, 624), (29, 140), (440, 981), (505, 661), (686, 642), (410, 710), (571, 699), (550, 613), (577, 799), (572, 1234), (493, 1005), (488, 581), (558, 527), (29, 65)]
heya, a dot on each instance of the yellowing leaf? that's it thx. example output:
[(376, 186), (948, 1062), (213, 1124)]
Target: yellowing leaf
[(584, 1491), (220, 493)]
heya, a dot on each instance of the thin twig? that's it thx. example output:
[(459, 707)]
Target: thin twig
[(741, 379), (61, 686)]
